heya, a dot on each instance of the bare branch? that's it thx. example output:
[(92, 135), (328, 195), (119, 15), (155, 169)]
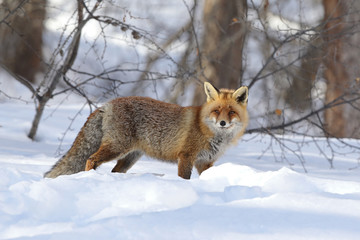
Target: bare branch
[(336, 102), (22, 80)]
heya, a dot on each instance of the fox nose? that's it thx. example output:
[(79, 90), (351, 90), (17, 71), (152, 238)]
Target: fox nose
[(222, 123)]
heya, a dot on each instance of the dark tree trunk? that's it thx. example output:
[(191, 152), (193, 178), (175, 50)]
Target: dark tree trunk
[(222, 45), (335, 71), (21, 36)]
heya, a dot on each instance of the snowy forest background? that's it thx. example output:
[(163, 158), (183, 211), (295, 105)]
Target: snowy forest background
[(299, 57)]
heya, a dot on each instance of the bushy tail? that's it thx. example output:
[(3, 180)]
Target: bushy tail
[(86, 143)]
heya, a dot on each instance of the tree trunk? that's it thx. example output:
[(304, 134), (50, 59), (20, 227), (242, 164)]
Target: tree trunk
[(21, 36), (222, 45), (335, 72), (298, 95), (350, 57)]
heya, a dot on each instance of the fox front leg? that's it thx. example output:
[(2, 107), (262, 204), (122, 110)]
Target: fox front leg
[(185, 165), (203, 165)]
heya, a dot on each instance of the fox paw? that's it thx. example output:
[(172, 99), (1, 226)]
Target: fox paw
[(89, 165)]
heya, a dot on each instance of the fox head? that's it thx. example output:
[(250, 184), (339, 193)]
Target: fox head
[(225, 109)]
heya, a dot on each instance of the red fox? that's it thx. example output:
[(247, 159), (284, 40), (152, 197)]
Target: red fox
[(126, 128)]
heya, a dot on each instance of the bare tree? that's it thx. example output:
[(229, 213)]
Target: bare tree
[(55, 77), (302, 56), (325, 55)]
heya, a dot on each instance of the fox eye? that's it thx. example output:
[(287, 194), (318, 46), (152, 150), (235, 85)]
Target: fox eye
[(231, 112), (216, 111)]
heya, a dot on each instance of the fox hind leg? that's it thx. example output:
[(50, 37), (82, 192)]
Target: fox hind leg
[(127, 162), (105, 153)]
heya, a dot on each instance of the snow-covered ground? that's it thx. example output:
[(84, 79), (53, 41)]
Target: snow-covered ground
[(242, 197)]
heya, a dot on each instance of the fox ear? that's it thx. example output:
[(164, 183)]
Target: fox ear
[(241, 95), (212, 92)]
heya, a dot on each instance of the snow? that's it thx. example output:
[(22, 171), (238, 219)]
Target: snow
[(241, 197)]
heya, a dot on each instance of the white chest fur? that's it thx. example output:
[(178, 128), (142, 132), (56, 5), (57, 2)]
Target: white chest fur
[(216, 148)]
